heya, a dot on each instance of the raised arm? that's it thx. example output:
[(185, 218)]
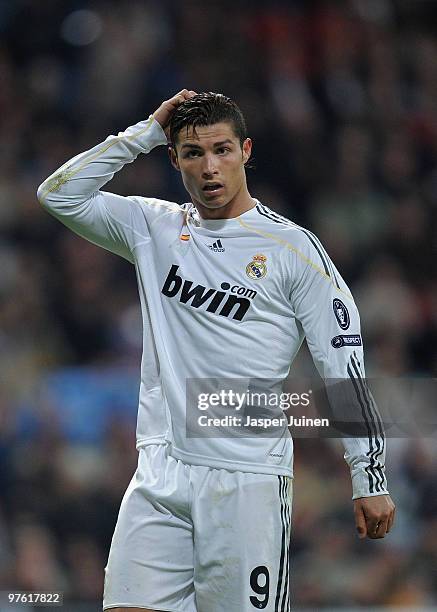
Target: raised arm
[(72, 193), (327, 312)]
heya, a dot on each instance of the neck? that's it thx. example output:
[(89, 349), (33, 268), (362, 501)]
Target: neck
[(240, 203)]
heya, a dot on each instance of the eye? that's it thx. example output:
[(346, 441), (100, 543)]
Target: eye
[(223, 150), (191, 154)]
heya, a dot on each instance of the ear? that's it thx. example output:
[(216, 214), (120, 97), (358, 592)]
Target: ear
[(247, 150), (173, 158)]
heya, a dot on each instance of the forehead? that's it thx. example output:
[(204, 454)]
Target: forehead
[(207, 134)]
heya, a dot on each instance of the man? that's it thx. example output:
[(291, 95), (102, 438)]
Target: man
[(228, 290)]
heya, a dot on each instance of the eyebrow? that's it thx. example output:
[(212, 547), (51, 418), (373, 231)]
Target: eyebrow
[(216, 144)]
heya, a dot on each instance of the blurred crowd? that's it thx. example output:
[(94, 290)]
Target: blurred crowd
[(340, 99)]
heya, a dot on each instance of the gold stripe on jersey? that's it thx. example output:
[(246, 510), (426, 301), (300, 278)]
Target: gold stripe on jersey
[(64, 175), (292, 248)]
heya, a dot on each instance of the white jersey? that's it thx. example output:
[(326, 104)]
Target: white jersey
[(231, 298)]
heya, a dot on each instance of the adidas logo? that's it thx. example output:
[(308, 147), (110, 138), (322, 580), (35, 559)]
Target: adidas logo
[(217, 246)]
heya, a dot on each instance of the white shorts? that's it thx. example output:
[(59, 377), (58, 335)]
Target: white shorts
[(196, 539)]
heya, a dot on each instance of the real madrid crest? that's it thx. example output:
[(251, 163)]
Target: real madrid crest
[(257, 268)]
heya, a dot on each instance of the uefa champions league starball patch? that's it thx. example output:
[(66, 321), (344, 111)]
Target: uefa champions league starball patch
[(341, 313), (257, 268)]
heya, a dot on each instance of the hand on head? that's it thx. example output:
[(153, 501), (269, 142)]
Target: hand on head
[(165, 111)]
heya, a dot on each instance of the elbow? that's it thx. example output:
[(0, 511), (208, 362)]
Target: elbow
[(44, 193), (49, 193), (40, 193)]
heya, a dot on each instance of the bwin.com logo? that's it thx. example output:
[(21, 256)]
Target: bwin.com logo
[(234, 301)]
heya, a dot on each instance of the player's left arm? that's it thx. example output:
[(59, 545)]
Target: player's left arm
[(323, 304)]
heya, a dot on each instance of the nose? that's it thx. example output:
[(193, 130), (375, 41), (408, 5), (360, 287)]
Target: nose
[(208, 167)]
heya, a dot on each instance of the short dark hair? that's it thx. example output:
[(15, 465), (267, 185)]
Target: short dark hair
[(207, 108)]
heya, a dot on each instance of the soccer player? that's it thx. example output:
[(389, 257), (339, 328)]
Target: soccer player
[(228, 290)]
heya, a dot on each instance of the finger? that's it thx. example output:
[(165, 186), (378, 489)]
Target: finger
[(187, 93), (372, 526), (190, 94), (360, 522), (391, 520), (178, 98), (381, 529)]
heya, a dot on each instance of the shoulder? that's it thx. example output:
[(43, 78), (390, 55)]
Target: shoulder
[(152, 209), (286, 231), (157, 205), (304, 248)]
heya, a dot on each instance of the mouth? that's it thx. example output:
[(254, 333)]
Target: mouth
[(212, 189)]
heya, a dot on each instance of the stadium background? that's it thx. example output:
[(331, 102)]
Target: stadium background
[(341, 101)]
